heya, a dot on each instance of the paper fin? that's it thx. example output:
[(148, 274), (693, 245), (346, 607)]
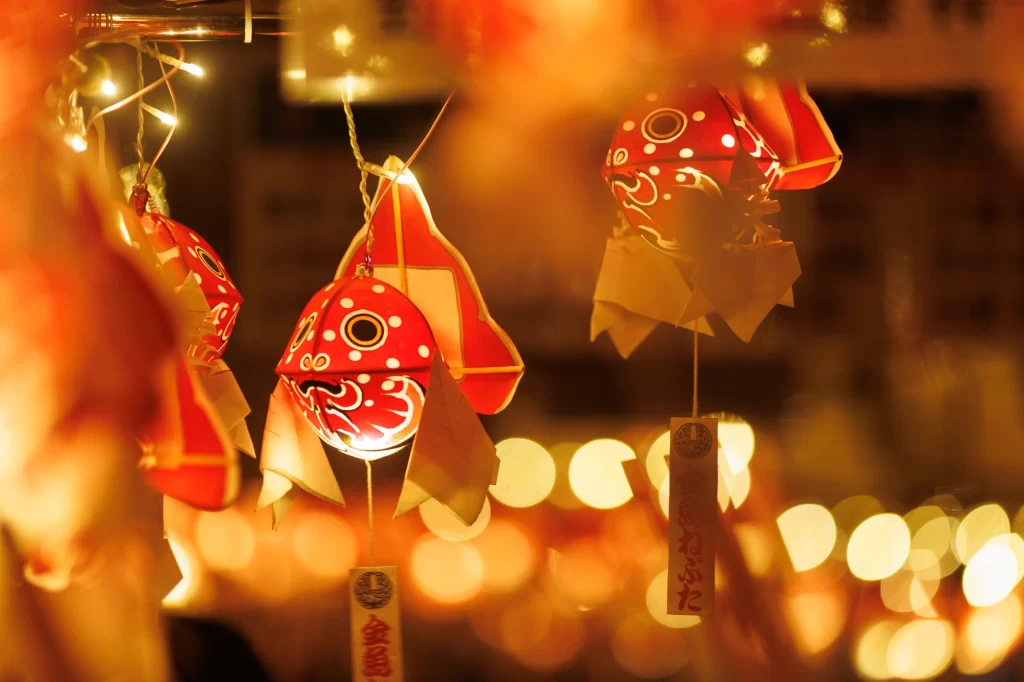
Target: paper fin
[(293, 454), (452, 458)]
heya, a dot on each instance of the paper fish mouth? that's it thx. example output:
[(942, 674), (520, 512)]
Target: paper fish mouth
[(368, 420)]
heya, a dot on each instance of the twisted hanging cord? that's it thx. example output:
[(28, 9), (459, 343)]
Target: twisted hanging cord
[(366, 269), (142, 121), (174, 105)]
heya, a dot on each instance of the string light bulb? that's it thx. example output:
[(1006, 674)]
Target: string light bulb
[(188, 67), (108, 88), (162, 116), (78, 143)]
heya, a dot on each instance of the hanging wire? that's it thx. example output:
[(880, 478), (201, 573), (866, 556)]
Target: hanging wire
[(174, 105), (139, 93), (370, 210), (366, 269), (142, 118)]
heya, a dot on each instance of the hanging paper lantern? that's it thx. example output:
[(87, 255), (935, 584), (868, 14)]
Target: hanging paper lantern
[(792, 123), (190, 449), (411, 254), (183, 252), (358, 365), (692, 175), (674, 152)]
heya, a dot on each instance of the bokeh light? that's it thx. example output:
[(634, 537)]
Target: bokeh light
[(443, 523), (977, 528), (936, 537), (508, 555), (988, 635), (656, 461), (447, 572), (584, 575), (808, 533), (817, 619), (562, 495), (646, 649), (325, 545), (657, 605), (188, 586), (596, 474), (994, 570), (738, 484), (736, 439), (757, 547), (921, 649), (849, 514), (913, 586), (526, 474), (224, 539), (871, 650), (878, 547), (540, 635)]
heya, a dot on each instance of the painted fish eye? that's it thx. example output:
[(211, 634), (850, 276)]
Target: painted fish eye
[(304, 328), (664, 125), (210, 262), (364, 330)]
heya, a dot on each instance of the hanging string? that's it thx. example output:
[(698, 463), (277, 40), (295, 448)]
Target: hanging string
[(142, 119), (369, 512), (696, 340), (137, 94), (366, 269), (174, 106)]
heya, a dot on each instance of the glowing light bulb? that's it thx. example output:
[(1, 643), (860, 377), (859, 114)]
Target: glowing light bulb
[(160, 115), (728, 141), (78, 143), (757, 55), (193, 69), (108, 88)]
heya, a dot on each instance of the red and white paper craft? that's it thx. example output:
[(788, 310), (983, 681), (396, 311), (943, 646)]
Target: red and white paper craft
[(361, 371), (692, 174), (670, 145), (411, 254), (190, 448), (792, 123)]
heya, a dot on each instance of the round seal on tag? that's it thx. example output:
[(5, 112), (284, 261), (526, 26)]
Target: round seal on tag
[(373, 590), (690, 447)]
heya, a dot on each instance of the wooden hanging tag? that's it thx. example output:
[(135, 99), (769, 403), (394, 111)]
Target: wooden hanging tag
[(376, 625), (693, 516)]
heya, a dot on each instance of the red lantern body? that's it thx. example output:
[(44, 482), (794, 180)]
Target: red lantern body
[(792, 123), (358, 364), (181, 252), (671, 145)]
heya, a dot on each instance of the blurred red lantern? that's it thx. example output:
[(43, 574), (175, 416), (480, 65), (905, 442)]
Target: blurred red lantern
[(792, 123), (358, 365), (674, 150), (183, 252)]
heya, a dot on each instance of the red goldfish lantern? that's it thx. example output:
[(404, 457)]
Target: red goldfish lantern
[(692, 175), (670, 148), (184, 252), (358, 365), (408, 353), (190, 449)]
